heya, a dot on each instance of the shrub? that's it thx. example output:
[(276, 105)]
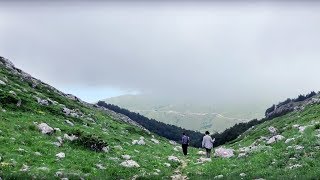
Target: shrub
[(317, 126), (91, 142)]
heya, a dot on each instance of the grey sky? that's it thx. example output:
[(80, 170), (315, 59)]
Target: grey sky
[(205, 52)]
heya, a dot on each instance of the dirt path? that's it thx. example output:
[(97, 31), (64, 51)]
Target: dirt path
[(177, 173)]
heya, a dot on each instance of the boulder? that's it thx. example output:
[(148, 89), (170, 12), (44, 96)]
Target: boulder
[(223, 152), (45, 128), (130, 164)]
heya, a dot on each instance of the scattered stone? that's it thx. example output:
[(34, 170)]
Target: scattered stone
[(66, 111), (155, 141), (70, 138), (173, 158), (203, 160), (218, 177), (57, 129), (59, 174), (141, 142), (118, 147), (157, 170), (275, 139), (13, 93), (179, 177), (57, 144), (24, 168), (242, 155), (100, 166), (69, 122), (2, 83), (296, 126), (243, 175), (272, 130), (45, 128), (295, 166), (173, 143), (44, 169), (134, 142), (223, 152), (201, 153), (37, 154), (106, 149), (289, 140), (42, 101), (60, 140), (126, 157), (60, 155), (130, 164), (167, 164), (298, 147), (176, 149), (21, 150)]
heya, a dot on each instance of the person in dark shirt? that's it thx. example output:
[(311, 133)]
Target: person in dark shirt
[(185, 140)]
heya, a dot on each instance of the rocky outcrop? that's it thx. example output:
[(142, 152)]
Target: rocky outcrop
[(291, 105)]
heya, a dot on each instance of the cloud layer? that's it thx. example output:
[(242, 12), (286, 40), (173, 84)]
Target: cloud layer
[(214, 52)]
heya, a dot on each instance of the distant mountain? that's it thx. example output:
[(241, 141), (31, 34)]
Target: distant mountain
[(190, 116)]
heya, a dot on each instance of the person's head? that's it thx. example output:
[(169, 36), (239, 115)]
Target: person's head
[(207, 133), (184, 133)]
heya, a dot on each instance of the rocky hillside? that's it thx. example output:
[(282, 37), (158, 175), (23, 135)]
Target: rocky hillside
[(46, 134)]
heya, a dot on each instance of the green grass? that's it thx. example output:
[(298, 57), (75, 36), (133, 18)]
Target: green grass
[(274, 163), (18, 131)]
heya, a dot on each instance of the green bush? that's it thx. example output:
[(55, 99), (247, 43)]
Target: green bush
[(317, 126), (91, 142)]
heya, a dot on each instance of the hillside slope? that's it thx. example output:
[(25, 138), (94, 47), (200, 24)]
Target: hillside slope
[(46, 134), (285, 147)]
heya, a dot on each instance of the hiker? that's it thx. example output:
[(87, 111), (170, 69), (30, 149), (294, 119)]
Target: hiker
[(185, 140), (207, 143)]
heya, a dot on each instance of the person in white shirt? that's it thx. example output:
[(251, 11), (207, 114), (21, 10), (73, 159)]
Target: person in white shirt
[(207, 143)]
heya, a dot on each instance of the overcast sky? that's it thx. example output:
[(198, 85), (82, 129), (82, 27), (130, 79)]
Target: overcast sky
[(188, 51)]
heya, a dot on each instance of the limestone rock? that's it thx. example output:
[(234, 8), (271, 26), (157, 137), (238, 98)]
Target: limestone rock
[(155, 141), (218, 177), (130, 164), (45, 128), (70, 138), (173, 158), (61, 155), (223, 152), (126, 157), (275, 139)]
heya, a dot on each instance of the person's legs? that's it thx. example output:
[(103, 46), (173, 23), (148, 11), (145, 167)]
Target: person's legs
[(185, 149), (208, 152)]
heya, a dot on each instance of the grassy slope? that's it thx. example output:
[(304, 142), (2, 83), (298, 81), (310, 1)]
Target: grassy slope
[(274, 163), (18, 131)]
